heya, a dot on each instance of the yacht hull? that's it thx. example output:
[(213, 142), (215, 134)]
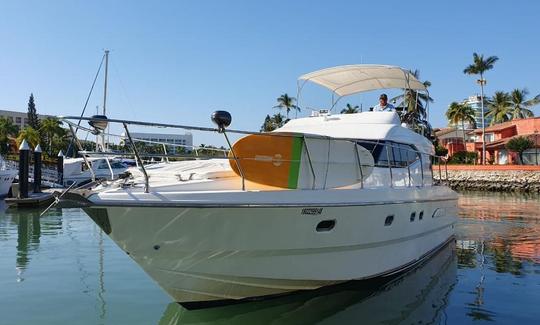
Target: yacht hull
[(6, 178), (208, 253)]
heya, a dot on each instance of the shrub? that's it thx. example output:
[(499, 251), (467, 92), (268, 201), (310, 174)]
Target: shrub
[(519, 145), (463, 157)]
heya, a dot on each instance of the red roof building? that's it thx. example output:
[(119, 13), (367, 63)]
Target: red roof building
[(498, 135)]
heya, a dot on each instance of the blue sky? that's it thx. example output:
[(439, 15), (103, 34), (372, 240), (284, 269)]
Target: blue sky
[(177, 61)]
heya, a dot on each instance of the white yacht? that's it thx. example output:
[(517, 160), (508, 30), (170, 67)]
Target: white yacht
[(7, 175), (79, 170), (323, 200)]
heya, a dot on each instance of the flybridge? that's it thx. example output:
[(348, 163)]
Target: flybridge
[(348, 80)]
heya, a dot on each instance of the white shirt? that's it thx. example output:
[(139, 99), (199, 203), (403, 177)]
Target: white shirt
[(388, 108)]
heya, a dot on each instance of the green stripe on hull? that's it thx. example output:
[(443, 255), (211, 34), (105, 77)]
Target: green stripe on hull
[(294, 169)]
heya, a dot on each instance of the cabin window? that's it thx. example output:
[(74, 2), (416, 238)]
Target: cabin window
[(84, 167), (103, 165), (117, 165), (400, 155), (421, 215), (326, 225), (413, 216), (388, 221)]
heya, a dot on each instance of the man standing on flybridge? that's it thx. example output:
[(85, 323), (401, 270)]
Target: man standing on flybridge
[(383, 105)]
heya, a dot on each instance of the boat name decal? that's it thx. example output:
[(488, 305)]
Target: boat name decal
[(312, 211)]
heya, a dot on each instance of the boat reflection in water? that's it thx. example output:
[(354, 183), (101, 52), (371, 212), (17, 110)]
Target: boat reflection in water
[(419, 296)]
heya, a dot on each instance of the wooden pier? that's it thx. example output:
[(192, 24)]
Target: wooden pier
[(34, 200)]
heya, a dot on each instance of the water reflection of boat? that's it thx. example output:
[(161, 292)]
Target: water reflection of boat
[(417, 297)]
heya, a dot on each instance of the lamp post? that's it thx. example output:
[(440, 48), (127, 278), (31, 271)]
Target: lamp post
[(536, 146), (482, 82)]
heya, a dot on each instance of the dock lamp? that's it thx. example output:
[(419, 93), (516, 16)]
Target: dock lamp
[(536, 146), (223, 119), (482, 82), (98, 123)]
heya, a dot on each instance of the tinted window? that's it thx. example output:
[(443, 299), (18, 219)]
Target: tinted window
[(400, 155)]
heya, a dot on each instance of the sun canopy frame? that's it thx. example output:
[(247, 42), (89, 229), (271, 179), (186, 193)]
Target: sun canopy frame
[(352, 79)]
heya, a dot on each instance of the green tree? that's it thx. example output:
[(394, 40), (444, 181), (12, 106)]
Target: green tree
[(480, 66), (499, 107), (415, 104), (267, 124), (520, 106), (33, 120), (349, 109), (460, 113), (31, 135), (274, 122), (50, 127), (7, 130), (287, 103), (519, 145)]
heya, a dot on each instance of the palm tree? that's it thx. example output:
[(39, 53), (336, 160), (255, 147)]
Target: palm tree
[(499, 107), (30, 134), (415, 103), (274, 122), (460, 113), (7, 129), (480, 66), (50, 127), (267, 124), (287, 103), (520, 106), (349, 109)]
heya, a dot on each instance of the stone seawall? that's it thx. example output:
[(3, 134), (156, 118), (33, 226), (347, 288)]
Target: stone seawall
[(491, 180)]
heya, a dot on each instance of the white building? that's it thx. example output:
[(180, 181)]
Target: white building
[(475, 103), (176, 140), (18, 118)]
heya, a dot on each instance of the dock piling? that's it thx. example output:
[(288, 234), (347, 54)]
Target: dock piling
[(60, 167), (24, 152), (37, 169)]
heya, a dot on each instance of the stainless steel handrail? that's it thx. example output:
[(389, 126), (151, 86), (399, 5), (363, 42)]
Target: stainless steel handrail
[(388, 144), (310, 163), (237, 161), (187, 127), (422, 169), (110, 168), (359, 165), (141, 165), (78, 143), (389, 166)]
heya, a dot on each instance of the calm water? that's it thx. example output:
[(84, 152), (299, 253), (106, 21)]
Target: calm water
[(61, 269)]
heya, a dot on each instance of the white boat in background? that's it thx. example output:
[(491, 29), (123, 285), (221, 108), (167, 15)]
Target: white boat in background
[(7, 175), (77, 171), (356, 201)]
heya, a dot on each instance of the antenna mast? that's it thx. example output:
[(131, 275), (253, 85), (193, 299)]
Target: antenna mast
[(103, 143)]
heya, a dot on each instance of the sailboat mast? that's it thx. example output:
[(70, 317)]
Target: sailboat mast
[(104, 144)]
